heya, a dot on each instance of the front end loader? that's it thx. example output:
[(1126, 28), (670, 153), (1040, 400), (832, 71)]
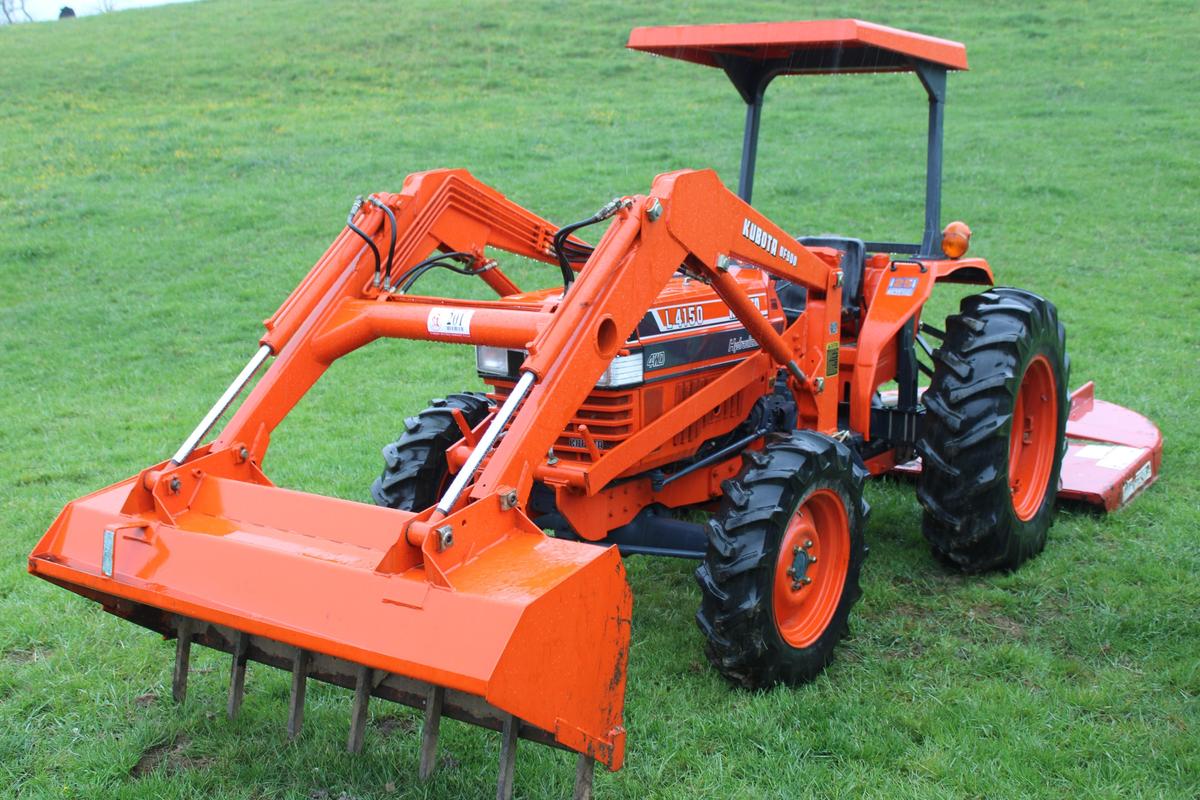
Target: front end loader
[(697, 360)]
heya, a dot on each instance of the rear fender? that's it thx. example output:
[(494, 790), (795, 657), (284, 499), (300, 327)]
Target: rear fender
[(974, 271), (896, 295)]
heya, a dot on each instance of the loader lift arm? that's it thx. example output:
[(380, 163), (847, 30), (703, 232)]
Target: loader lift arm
[(477, 563)]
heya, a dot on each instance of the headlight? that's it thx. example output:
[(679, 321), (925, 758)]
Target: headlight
[(504, 363), (623, 371), (495, 361)]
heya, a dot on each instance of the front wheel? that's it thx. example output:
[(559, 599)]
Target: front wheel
[(415, 471), (782, 569), (995, 430)]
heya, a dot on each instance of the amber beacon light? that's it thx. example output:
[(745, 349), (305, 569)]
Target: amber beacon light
[(956, 238)]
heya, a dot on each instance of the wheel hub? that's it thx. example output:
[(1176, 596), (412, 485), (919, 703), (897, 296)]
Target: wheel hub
[(805, 594), (801, 560)]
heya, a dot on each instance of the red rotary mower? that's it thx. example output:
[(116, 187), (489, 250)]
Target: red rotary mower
[(697, 360)]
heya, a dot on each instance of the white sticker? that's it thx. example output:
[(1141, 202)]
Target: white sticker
[(1136, 482), (450, 321), (1110, 456), (1093, 452), (902, 287), (1120, 457)]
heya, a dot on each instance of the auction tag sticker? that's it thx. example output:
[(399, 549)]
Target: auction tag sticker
[(902, 287), (450, 321)]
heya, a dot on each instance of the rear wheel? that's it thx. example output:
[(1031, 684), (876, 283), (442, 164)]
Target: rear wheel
[(414, 466), (994, 434), (784, 555)]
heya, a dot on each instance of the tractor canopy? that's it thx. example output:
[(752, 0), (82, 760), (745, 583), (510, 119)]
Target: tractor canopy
[(754, 54)]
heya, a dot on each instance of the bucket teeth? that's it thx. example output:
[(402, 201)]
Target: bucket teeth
[(508, 757), (299, 689), (585, 769), (365, 682), (429, 731), (183, 654), (237, 674), (358, 711)]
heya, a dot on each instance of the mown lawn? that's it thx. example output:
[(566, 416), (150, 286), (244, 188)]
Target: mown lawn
[(167, 175)]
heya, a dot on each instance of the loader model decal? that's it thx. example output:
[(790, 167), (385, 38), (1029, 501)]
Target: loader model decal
[(674, 318), (766, 241)]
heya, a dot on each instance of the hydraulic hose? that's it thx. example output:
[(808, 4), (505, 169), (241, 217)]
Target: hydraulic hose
[(561, 236), (354, 209), (404, 282), (387, 271)]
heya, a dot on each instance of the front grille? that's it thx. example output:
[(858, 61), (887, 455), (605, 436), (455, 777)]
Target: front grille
[(731, 407), (609, 417)]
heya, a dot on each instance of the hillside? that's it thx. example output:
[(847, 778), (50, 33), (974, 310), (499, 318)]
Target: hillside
[(167, 175)]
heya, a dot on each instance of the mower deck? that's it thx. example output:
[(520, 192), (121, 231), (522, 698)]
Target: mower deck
[(1113, 453)]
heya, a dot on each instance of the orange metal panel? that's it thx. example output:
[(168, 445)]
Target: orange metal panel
[(703, 44), (302, 569), (897, 295)]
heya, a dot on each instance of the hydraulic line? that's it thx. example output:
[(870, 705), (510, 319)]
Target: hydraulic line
[(494, 429), (443, 260), (387, 271), (354, 209), (223, 402), (561, 236)]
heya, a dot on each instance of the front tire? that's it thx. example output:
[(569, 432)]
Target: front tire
[(995, 431), (414, 466), (782, 570)]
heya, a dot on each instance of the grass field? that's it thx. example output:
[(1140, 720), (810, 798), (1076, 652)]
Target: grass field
[(167, 176)]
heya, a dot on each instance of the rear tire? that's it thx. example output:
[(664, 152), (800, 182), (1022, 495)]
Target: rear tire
[(770, 614), (414, 466), (987, 486)]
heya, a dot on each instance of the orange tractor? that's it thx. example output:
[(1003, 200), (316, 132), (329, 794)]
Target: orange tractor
[(697, 360)]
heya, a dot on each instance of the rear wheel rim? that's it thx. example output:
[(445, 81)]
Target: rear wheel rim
[(1032, 440), (816, 547)]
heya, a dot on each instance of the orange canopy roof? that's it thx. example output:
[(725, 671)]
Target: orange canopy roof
[(819, 46)]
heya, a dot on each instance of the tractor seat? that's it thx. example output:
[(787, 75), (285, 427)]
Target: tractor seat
[(854, 257), (793, 297)]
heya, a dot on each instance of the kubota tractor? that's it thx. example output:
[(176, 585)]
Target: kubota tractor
[(699, 359)]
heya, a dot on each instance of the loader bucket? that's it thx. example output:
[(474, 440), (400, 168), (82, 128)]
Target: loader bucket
[(532, 638)]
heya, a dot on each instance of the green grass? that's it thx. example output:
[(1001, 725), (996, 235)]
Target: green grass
[(169, 174)]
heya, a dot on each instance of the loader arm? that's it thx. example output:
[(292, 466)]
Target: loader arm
[(699, 222), (467, 605)]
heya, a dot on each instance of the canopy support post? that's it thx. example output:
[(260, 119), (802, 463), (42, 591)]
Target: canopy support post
[(933, 78)]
